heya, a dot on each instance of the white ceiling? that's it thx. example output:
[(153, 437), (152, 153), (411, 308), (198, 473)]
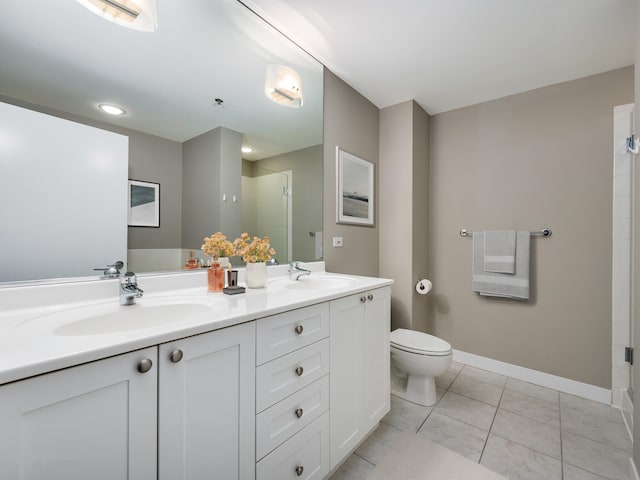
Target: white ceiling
[(59, 55), (446, 54)]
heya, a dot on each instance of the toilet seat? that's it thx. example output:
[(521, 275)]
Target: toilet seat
[(419, 343)]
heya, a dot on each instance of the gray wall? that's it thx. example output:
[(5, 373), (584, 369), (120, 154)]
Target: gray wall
[(200, 191), (350, 122), (420, 181), (306, 165), (156, 159), (538, 159), (403, 209), (211, 166)]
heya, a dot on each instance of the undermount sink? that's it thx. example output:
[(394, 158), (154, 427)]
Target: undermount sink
[(318, 282), (106, 318)]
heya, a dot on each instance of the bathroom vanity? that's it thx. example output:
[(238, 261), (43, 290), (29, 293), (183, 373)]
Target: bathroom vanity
[(281, 382)]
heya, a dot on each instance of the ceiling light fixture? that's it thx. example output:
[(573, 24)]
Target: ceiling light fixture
[(112, 109), (135, 14), (283, 86), (246, 149)]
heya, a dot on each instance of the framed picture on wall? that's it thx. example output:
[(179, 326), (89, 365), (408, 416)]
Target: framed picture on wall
[(355, 189), (144, 204)]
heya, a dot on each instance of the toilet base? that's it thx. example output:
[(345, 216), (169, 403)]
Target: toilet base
[(416, 390)]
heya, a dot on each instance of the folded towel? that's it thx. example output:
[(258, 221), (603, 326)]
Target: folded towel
[(500, 251), (514, 285)]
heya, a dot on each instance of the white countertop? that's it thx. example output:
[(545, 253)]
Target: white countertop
[(30, 315)]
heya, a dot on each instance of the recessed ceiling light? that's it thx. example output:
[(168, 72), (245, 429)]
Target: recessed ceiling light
[(111, 109), (247, 149)]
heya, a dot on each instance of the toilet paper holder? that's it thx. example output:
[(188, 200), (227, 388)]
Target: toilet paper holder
[(424, 286)]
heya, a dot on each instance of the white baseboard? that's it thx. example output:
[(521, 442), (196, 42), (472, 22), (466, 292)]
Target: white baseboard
[(633, 471), (561, 384)]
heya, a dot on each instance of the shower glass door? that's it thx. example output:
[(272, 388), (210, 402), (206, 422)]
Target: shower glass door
[(267, 209)]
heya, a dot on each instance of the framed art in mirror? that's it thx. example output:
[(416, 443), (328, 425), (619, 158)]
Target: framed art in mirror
[(355, 189), (143, 204)]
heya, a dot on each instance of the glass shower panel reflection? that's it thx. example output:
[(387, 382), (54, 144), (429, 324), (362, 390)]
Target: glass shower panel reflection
[(266, 209)]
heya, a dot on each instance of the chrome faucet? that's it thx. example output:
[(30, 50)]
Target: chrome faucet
[(111, 271), (129, 289), (296, 271)]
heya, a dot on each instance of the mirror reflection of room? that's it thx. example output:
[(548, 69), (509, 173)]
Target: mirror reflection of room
[(229, 152)]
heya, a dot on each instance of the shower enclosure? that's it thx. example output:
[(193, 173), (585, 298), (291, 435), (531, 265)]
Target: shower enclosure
[(267, 209), (622, 273)]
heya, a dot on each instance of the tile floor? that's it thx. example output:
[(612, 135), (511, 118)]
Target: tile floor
[(519, 430)]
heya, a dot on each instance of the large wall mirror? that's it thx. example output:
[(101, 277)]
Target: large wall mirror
[(194, 95)]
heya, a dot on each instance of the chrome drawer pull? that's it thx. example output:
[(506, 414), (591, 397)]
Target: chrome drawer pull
[(299, 470), (363, 299), (299, 329), (299, 371), (144, 365), (370, 296), (299, 412), (176, 356)]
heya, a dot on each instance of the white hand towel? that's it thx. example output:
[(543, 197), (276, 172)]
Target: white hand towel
[(514, 285), (500, 251)]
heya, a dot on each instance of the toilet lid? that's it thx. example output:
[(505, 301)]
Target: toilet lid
[(419, 342)]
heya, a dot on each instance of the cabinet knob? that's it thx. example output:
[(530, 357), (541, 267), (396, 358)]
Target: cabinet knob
[(299, 329), (299, 470), (370, 297), (299, 371), (363, 299), (299, 412), (144, 365), (176, 356)]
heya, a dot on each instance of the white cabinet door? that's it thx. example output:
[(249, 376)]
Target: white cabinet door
[(346, 391), (207, 406), (359, 380), (304, 456), (376, 356), (94, 421)]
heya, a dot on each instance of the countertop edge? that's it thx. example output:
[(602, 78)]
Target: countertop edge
[(119, 345)]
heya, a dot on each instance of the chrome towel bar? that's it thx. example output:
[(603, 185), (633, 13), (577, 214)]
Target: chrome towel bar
[(545, 232)]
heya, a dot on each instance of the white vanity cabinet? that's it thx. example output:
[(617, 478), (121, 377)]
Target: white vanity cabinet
[(189, 413), (359, 380), (292, 395), (96, 421), (206, 406), (284, 396)]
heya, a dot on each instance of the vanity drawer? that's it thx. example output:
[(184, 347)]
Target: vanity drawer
[(304, 456), (285, 375), (285, 418), (286, 332)]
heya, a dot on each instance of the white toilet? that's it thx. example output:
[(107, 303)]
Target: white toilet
[(416, 359)]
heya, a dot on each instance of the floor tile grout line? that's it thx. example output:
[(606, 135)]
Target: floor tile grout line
[(360, 456), (472, 398), (433, 407), (599, 442), (495, 414), (462, 421), (525, 446), (537, 420)]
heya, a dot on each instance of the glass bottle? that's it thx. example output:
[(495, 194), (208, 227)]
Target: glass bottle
[(215, 276)]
